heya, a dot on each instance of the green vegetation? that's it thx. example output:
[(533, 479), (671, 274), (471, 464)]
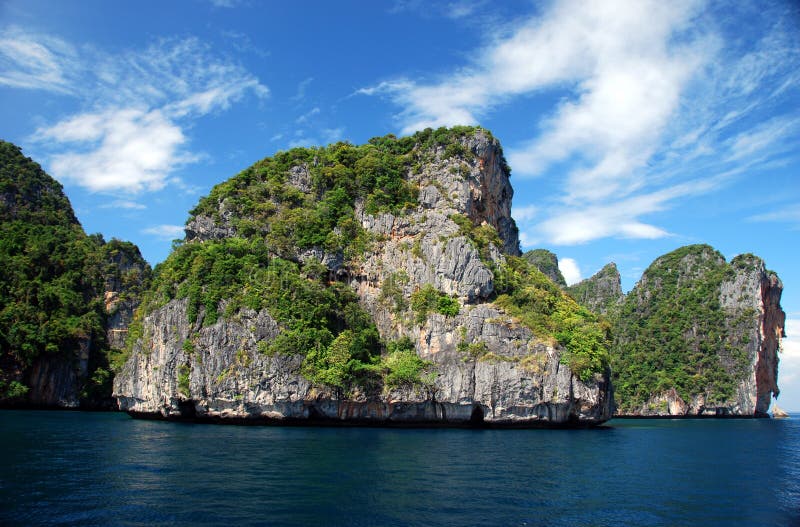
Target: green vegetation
[(599, 293), (404, 368), (482, 236), (183, 380), (48, 284), (672, 333), (547, 263), (427, 300), (473, 350), (536, 302), (392, 292), (262, 200), (54, 276)]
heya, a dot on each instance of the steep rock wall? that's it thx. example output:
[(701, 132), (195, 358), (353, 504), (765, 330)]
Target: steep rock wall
[(517, 379), (741, 341)]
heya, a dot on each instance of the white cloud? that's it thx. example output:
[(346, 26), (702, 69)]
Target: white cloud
[(789, 366), (463, 8), (524, 213), (301, 89), (569, 268), (35, 63), (121, 149), (165, 232), (225, 3), (134, 138), (653, 96), (124, 204), (308, 115)]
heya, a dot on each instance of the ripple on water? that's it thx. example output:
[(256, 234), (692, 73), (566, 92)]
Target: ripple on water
[(72, 468)]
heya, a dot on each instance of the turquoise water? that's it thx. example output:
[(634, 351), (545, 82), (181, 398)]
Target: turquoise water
[(74, 468)]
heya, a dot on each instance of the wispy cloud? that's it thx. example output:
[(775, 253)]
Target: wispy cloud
[(165, 232), (654, 97), (308, 115), (301, 89), (789, 213), (141, 102), (124, 204), (229, 4), (41, 63), (455, 10)]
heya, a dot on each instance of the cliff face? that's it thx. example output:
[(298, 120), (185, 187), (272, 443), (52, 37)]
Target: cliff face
[(126, 276), (601, 292), (53, 349), (699, 336), (547, 263), (441, 350)]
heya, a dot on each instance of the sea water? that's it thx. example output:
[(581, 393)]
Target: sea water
[(76, 468)]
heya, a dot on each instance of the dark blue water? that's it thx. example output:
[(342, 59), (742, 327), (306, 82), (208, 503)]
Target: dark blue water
[(72, 468)]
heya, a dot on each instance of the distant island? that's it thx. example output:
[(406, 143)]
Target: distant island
[(374, 284)]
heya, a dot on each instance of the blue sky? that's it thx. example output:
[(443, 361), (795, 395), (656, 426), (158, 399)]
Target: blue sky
[(632, 128)]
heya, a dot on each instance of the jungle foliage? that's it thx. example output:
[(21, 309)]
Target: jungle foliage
[(671, 332), (53, 276)]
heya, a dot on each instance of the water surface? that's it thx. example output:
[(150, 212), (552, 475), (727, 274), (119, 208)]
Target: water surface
[(75, 468)]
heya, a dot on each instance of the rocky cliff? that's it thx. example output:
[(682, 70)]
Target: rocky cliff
[(699, 336), (547, 262), (365, 284), (53, 348), (601, 292), (126, 276)]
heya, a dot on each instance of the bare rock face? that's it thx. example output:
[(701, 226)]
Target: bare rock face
[(751, 299), (489, 369), (693, 306), (220, 375)]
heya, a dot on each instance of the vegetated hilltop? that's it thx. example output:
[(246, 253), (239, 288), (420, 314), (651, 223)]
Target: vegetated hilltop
[(54, 349), (546, 262), (602, 292), (378, 283), (696, 336)]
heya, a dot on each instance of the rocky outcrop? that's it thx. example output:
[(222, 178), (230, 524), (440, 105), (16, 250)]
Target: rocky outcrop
[(53, 342), (694, 312), (601, 292), (751, 299), (487, 368), (126, 276), (221, 375), (56, 381), (547, 263)]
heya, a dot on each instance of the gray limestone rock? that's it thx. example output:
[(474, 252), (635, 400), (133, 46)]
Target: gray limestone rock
[(510, 378)]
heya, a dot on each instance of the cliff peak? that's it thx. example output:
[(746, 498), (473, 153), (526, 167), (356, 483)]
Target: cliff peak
[(601, 292), (547, 262)]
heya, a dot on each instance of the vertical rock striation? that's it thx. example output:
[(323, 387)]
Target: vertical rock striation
[(698, 336), (488, 367)]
